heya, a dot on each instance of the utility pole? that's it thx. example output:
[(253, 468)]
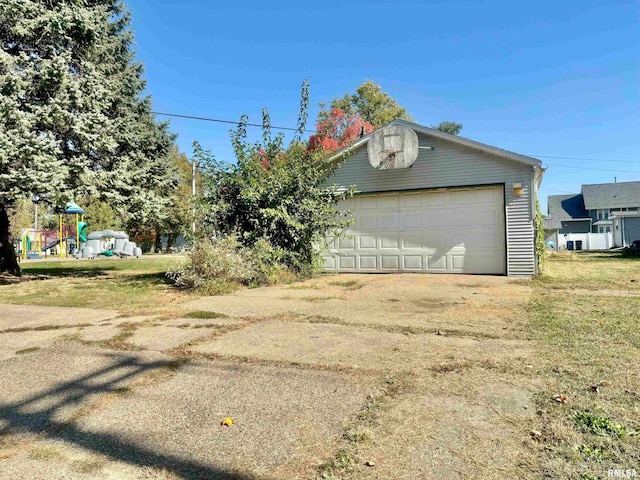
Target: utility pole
[(193, 196)]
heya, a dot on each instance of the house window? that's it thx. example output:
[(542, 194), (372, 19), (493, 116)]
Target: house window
[(608, 229), (600, 230), (603, 214)]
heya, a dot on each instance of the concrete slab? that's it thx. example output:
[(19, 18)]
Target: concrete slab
[(314, 343), (163, 338), (359, 347), (286, 420), (26, 343), (42, 389), (445, 436), (461, 302), (32, 316)]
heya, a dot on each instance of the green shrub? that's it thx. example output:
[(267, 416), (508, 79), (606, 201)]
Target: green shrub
[(219, 266)]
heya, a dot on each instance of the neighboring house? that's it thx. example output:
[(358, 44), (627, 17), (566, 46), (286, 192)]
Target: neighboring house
[(626, 227), (600, 208), (462, 207), (566, 215)]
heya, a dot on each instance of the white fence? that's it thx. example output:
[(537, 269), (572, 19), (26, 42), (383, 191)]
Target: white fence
[(590, 241)]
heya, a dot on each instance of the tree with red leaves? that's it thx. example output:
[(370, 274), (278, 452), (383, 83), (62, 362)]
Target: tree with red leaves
[(337, 129)]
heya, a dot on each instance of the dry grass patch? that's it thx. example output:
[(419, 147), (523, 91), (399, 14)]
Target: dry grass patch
[(204, 315), (45, 452), (447, 367), (347, 284), (27, 350), (592, 343)]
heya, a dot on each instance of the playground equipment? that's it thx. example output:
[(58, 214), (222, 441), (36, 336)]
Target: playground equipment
[(79, 243), (108, 243), (63, 235), (31, 242)]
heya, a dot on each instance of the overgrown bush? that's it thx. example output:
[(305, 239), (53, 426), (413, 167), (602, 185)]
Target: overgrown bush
[(272, 208), (222, 265), (275, 198)]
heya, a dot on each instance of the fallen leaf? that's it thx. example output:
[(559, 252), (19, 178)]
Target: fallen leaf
[(369, 463), (560, 398), (227, 422), (604, 383), (536, 435)]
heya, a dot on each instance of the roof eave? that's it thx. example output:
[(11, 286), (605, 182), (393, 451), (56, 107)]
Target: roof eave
[(534, 162)]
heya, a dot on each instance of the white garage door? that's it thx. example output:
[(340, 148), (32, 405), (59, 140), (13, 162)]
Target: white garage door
[(458, 230)]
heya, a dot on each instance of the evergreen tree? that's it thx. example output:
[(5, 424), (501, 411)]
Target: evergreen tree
[(73, 120)]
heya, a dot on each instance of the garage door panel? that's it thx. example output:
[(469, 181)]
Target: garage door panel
[(436, 219), (390, 262), (329, 263), (412, 221), (389, 241), (368, 202), (389, 222), (412, 262), (389, 201), (437, 262), (412, 200), (434, 199), (346, 243), (347, 262), (411, 241), (366, 222), (368, 262), (367, 242), (456, 230), (436, 239), (487, 195)]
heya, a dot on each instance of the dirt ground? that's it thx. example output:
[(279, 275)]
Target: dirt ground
[(354, 377)]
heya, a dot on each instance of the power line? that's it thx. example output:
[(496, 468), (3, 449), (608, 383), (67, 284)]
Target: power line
[(588, 159), (598, 169), (231, 122)]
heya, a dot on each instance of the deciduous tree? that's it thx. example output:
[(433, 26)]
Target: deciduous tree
[(338, 130), (372, 105)]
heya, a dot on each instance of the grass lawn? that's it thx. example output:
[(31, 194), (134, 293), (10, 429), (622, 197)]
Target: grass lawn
[(586, 311), (130, 286)]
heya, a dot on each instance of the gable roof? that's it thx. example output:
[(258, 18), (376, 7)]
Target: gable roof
[(611, 195), (534, 162), (567, 207)]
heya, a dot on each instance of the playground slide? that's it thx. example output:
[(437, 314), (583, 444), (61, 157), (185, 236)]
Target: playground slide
[(70, 241), (51, 245)]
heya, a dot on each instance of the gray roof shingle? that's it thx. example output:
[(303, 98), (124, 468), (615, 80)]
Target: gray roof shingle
[(567, 207), (611, 195)]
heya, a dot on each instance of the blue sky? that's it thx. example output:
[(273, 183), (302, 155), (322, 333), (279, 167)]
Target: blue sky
[(539, 78)]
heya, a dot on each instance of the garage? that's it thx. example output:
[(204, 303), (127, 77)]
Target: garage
[(457, 230), (429, 202)]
